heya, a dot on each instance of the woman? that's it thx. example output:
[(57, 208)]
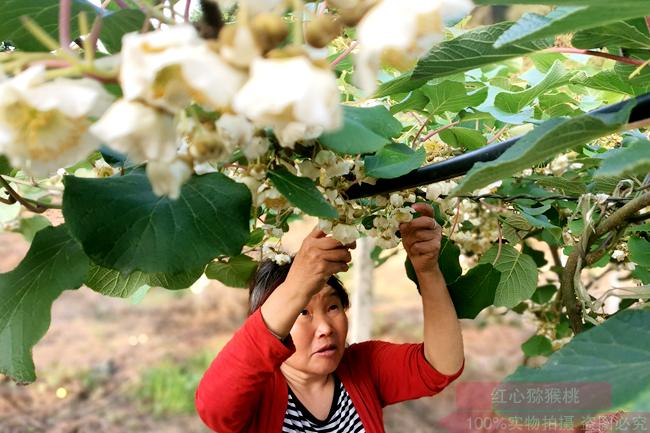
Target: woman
[(288, 369)]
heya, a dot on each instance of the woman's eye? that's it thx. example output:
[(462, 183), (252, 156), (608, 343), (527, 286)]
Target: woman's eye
[(304, 313), (333, 307)]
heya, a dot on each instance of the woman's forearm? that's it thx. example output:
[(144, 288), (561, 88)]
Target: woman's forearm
[(443, 339), (282, 308)]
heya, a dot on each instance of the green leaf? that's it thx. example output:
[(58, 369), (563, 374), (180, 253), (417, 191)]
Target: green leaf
[(615, 352), (365, 130), (537, 345), (543, 294), (117, 24), (474, 291), (402, 84), (514, 102), (46, 14), (615, 35), (567, 19), (256, 237), (518, 275), (448, 260), (110, 282), (608, 81), (236, 273), (463, 138), (123, 225), (472, 50), (55, 262), (5, 167), (639, 251), (544, 142), (634, 159), (452, 96), (394, 160), (30, 226), (302, 193)]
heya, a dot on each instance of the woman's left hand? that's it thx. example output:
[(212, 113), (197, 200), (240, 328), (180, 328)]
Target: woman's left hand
[(421, 239)]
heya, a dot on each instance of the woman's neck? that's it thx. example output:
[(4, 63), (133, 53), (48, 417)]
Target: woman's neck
[(305, 383)]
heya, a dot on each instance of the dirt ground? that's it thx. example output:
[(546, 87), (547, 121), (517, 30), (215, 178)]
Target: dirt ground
[(98, 347)]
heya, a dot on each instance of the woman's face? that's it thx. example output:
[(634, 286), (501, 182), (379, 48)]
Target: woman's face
[(319, 334)]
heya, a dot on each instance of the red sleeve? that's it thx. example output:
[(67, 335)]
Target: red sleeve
[(401, 371), (229, 392)]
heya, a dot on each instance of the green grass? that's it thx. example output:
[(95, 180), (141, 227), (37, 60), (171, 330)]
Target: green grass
[(168, 388)]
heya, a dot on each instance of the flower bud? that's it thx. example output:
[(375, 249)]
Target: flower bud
[(269, 30), (322, 30)]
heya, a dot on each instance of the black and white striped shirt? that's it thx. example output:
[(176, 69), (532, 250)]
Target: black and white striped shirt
[(343, 417)]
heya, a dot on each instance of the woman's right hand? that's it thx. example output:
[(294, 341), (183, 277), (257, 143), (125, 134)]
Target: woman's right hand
[(318, 259)]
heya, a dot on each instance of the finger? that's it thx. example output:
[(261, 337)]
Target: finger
[(351, 245), (317, 233), (329, 243), (337, 255), (424, 209)]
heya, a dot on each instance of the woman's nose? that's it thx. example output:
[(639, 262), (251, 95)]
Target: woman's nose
[(323, 325)]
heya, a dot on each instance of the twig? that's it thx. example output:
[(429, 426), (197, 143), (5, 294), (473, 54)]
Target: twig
[(424, 124), (344, 54), (569, 50), (498, 134), (65, 7), (31, 205), (439, 130), (186, 13)]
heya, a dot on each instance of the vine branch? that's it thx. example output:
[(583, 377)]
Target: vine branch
[(569, 50), (31, 205), (616, 221)]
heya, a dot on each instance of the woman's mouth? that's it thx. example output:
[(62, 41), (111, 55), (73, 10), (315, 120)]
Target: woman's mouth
[(326, 351)]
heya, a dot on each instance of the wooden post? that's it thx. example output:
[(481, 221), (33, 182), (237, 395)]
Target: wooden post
[(362, 299)]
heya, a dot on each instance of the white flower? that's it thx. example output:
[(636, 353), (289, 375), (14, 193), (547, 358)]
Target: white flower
[(403, 215), (345, 233), (168, 68), (434, 191), (242, 48), (325, 225), (396, 200), (234, 131), (256, 147), (269, 252), (399, 31), (44, 124), (138, 130), (387, 242), (290, 90), (307, 168), (618, 255), (292, 132), (325, 157), (167, 178), (381, 201)]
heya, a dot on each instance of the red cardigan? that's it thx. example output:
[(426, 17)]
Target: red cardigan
[(244, 390)]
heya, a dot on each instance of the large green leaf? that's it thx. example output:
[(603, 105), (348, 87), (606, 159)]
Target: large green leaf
[(566, 19), (236, 273), (402, 84), (608, 81), (123, 225), (518, 275), (117, 24), (615, 352), (302, 193), (639, 251), (475, 290), (514, 102), (448, 260), (394, 160), (620, 34), (633, 159), (463, 138), (55, 262), (45, 13), (365, 130), (545, 141), (452, 96), (110, 282), (471, 50)]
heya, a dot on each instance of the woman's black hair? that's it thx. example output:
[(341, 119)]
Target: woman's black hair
[(270, 275)]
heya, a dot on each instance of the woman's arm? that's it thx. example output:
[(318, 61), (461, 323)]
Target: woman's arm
[(318, 259), (443, 340)]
